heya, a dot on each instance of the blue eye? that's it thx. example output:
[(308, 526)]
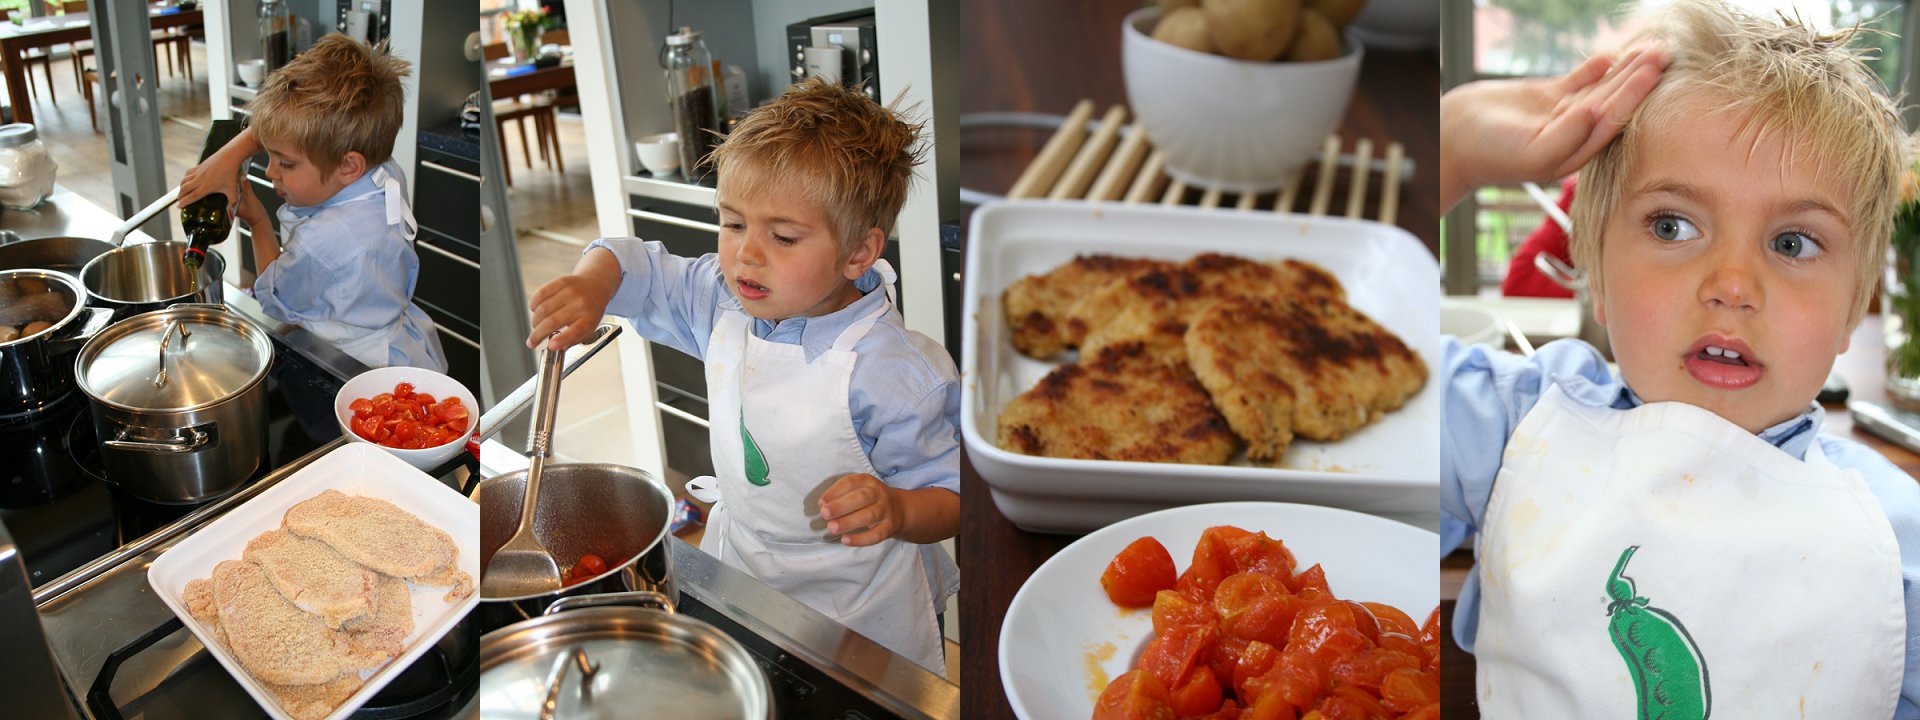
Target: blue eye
[(1798, 246), (1673, 229)]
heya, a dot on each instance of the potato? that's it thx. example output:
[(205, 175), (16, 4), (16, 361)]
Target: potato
[(1318, 40), (1340, 12), (1252, 29), (1168, 6), (9, 333), (1185, 27), (34, 328)]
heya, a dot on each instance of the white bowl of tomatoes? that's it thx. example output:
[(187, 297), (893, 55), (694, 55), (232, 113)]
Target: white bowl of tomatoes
[(421, 416)]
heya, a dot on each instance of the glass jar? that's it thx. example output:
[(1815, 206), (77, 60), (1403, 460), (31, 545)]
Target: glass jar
[(692, 94), (276, 34), (26, 170)]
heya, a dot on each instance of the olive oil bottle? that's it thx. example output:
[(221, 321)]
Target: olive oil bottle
[(206, 221)]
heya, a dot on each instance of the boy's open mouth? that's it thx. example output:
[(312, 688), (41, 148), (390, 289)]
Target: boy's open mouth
[(1722, 362), (750, 290)]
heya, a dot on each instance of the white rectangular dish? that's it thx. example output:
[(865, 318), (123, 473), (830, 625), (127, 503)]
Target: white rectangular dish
[(1390, 466), (355, 469)]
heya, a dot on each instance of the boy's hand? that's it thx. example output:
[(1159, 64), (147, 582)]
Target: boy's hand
[(861, 501), (572, 305), (221, 172), (1495, 132), (246, 208)]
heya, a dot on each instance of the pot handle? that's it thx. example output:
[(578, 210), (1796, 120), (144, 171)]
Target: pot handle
[(1561, 273), (575, 655), (184, 441), (97, 319), (640, 598)]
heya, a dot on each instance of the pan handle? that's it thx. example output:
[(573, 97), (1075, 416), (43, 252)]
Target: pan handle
[(516, 402), (640, 598), (574, 656), (119, 238)]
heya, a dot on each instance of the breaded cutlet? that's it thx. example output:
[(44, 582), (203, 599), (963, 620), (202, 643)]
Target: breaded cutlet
[(1156, 306), (385, 630), (1121, 405), (302, 702), (272, 639), (313, 576), (1036, 305), (1314, 368), (383, 537)]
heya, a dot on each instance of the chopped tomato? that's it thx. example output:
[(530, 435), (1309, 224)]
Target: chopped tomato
[(408, 420), (1134, 696), (1168, 658), (1211, 563), (1198, 694), (1138, 573), (1392, 620)]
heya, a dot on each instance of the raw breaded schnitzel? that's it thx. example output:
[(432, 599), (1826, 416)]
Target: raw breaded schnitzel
[(385, 631), (1155, 306), (381, 536), (1315, 368), (314, 576), (276, 641), (302, 702), (1121, 405), (1037, 305)]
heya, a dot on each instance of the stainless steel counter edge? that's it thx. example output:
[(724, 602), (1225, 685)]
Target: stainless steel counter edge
[(848, 657)]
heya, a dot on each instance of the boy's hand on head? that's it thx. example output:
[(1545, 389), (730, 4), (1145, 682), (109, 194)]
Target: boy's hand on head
[(1537, 129), (861, 501)]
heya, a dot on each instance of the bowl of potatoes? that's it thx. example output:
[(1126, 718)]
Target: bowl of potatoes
[(1240, 93)]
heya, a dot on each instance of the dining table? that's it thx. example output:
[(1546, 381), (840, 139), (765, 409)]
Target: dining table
[(1862, 367), (1019, 59), (506, 78), (16, 38)]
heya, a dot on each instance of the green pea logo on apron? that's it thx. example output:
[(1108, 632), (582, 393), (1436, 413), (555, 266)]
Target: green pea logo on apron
[(756, 463), (1669, 674)]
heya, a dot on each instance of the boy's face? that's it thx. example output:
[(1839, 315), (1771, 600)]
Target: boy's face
[(781, 257), (1728, 273), (298, 181)]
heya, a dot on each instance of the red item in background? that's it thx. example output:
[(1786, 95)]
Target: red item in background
[(1525, 280)]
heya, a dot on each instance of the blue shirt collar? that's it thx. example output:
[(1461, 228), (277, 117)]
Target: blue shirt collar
[(1792, 436), (353, 190), (816, 334)]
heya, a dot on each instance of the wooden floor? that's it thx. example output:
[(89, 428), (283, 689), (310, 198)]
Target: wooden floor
[(82, 152)]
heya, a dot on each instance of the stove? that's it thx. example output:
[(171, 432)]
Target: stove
[(64, 513)]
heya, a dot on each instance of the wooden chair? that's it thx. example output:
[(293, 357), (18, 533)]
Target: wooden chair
[(89, 78), (35, 57), (517, 110), (80, 50)]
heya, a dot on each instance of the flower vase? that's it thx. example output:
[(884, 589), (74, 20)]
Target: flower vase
[(1900, 315), (525, 41)]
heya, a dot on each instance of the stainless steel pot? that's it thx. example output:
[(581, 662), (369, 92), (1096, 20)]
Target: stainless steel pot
[(149, 276), (63, 253), (588, 659), (616, 512), (37, 369), (179, 401)]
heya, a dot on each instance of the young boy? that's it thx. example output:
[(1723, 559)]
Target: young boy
[(835, 429), (327, 122), (1681, 540)]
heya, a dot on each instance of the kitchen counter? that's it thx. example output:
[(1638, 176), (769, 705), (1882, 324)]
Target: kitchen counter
[(65, 213)]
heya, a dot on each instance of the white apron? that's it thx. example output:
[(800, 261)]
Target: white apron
[(767, 517), (1661, 562), (369, 345)]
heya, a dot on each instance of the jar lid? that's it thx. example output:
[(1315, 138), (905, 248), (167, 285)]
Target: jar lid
[(642, 656), (210, 355), (686, 36), (17, 134)]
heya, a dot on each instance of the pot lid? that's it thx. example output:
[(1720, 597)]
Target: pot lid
[(643, 658), (210, 355)]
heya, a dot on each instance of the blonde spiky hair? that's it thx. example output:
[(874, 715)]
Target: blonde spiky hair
[(848, 155), (1786, 80), (339, 96)]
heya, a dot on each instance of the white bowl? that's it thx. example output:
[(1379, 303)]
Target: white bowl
[(659, 154), (1472, 325), (1063, 640), (1234, 124), (252, 72), (382, 380)]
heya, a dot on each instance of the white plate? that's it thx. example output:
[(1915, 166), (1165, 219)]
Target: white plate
[(354, 469), (1063, 640), (1389, 466)]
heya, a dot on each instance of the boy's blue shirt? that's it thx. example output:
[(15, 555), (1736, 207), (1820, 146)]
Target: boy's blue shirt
[(904, 394), (1489, 391), (344, 263)]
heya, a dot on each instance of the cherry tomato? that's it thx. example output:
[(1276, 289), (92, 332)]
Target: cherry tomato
[(1139, 572), (1392, 620), (1134, 696), (1198, 694), (1168, 658), (361, 407), (408, 420), (1211, 564), (1170, 608), (591, 565)]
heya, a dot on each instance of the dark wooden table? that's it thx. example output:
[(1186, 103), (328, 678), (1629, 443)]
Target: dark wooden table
[(1862, 366), (1045, 57), (45, 32), (557, 77)]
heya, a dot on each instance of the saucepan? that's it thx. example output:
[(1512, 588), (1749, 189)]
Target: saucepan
[(129, 279), (44, 322)]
